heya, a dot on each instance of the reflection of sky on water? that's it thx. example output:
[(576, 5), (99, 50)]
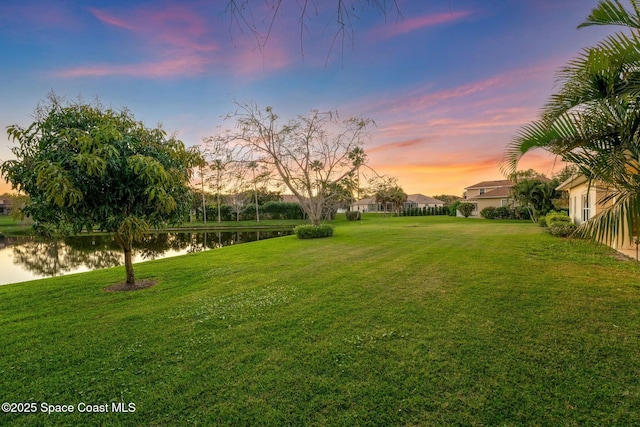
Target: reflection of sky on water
[(12, 271), (27, 259)]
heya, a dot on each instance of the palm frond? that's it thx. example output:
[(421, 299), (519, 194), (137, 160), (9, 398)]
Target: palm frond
[(612, 68), (613, 13), (534, 135)]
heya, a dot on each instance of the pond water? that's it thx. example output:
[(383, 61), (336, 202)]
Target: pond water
[(23, 258)]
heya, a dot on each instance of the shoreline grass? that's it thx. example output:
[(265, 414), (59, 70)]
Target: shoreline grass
[(392, 321), (13, 228)]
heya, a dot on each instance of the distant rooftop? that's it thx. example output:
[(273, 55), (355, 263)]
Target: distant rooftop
[(498, 192), (492, 184)]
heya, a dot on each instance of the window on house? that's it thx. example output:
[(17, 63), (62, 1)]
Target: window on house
[(482, 191), (585, 207)]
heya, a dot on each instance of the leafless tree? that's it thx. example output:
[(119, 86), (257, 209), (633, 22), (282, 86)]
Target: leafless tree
[(310, 154)]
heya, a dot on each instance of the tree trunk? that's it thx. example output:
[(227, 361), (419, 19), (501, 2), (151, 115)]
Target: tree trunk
[(126, 246), (128, 266)]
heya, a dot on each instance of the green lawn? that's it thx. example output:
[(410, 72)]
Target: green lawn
[(11, 227), (393, 321)]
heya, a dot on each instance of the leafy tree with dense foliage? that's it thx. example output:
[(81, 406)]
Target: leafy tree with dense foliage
[(518, 176), (85, 167), (593, 121)]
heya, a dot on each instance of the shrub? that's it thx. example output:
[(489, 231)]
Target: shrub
[(521, 212), (560, 229), (504, 212), (488, 213), (466, 209), (542, 221), (309, 231), (353, 216), (557, 218)]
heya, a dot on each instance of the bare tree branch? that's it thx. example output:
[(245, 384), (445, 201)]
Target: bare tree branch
[(241, 14)]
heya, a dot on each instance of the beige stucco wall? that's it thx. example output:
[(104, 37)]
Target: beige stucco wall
[(596, 194), (576, 208), (481, 204)]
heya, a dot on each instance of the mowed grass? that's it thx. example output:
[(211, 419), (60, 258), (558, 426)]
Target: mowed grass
[(393, 321), (10, 226)]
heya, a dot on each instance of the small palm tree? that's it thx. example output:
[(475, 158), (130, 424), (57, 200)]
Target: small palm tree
[(398, 198)]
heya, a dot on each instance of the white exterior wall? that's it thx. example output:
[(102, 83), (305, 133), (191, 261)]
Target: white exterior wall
[(582, 203)]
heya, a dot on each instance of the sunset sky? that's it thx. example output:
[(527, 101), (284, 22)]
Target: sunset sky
[(447, 82)]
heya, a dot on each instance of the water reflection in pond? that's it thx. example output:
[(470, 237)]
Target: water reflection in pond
[(29, 258)]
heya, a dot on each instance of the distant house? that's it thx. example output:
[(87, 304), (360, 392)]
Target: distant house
[(369, 204), (488, 194), (6, 205)]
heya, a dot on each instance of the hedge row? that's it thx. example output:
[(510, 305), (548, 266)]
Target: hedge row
[(504, 212), (425, 211), (270, 210)]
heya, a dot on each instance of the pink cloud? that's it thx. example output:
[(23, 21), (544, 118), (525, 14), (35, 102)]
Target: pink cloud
[(245, 60), (396, 145), (173, 26), (420, 128), (107, 18), (177, 40), (184, 65), (407, 25)]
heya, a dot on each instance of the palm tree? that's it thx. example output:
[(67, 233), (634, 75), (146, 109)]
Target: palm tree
[(593, 121), (398, 198), (383, 197), (536, 195)]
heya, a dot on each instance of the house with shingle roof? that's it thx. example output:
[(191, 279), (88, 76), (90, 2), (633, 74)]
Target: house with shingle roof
[(418, 200), (488, 194)]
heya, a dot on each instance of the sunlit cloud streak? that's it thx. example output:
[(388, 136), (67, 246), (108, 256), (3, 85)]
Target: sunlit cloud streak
[(463, 130), (404, 26), (177, 41)]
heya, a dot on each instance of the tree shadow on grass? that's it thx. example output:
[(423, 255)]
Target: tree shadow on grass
[(123, 287)]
